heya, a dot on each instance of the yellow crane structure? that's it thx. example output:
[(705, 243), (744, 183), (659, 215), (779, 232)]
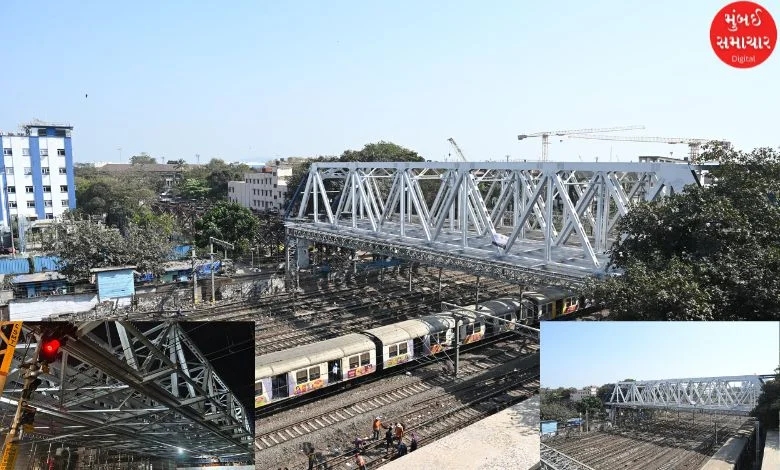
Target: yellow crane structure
[(694, 145), (545, 135)]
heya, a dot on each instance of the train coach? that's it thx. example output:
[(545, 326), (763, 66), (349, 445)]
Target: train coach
[(297, 371), (286, 374), (549, 303)]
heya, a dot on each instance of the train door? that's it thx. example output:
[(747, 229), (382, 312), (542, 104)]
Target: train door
[(334, 371), (279, 386), (418, 347), (490, 326)]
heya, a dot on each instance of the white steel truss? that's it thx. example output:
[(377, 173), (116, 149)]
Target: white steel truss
[(132, 388), (728, 395), (553, 459), (554, 221)]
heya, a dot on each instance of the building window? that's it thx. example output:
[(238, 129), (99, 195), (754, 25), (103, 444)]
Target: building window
[(47, 189), (9, 171), (64, 189), (11, 189), (41, 132), (25, 152), (31, 204), (44, 152), (60, 152), (49, 215), (28, 189), (46, 203), (8, 152), (12, 204), (45, 170), (63, 171), (64, 203), (27, 170)]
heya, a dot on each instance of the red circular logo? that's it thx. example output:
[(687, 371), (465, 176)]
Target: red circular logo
[(743, 34)]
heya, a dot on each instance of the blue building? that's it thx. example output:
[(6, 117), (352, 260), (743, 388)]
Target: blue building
[(36, 172), (115, 283)]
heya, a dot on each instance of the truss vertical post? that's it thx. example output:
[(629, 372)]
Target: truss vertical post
[(547, 179)]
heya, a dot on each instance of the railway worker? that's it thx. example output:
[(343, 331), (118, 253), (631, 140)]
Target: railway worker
[(388, 438), (413, 445), (377, 427), (401, 449), (360, 461), (312, 459), (358, 444), (399, 432)]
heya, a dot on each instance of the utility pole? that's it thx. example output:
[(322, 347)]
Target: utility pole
[(458, 318), (213, 294), (476, 301), (194, 279)]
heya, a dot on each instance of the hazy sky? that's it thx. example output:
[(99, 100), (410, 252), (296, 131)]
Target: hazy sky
[(248, 80), (575, 354)]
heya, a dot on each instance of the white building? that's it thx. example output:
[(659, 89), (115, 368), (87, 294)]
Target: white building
[(263, 189), (578, 395), (37, 172)]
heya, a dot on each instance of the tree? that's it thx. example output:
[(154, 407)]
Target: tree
[(709, 253), (82, 245), (193, 188), (768, 408), (142, 159), (228, 221), (115, 199), (590, 404)]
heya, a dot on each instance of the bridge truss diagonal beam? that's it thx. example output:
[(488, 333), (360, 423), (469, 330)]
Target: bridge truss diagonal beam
[(551, 218), (728, 395), (133, 388)]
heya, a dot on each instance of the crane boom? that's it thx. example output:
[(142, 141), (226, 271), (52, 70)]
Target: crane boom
[(545, 135), (457, 149), (693, 144)]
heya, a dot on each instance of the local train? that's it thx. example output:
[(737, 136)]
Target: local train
[(290, 373)]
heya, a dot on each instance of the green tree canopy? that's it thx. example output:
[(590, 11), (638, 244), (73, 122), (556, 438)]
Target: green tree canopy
[(708, 253), (82, 245), (768, 408), (142, 159), (193, 188), (228, 221)]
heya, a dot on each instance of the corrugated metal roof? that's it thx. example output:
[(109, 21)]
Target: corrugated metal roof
[(280, 362), (38, 277)]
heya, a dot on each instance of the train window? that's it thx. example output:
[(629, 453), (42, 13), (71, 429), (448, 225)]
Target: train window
[(258, 388), (353, 362), (402, 348), (301, 376), (365, 359), (393, 351), (470, 329), (314, 373), (436, 338)]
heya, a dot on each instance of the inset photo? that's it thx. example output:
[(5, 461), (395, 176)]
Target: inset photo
[(659, 395), (126, 395)]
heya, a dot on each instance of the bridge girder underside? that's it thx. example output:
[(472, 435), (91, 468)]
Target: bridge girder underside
[(550, 221), (129, 389), (736, 395)]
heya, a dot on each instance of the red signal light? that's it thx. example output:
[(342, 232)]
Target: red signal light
[(51, 346)]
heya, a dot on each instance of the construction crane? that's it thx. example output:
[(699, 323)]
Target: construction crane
[(457, 149), (545, 135), (693, 144)]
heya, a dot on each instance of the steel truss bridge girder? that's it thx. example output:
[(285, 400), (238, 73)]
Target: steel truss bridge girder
[(146, 391), (460, 262), (542, 216), (724, 395), (553, 459)]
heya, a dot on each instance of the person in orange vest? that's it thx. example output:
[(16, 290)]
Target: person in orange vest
[(360, 461), (399, 432), (377, 427)]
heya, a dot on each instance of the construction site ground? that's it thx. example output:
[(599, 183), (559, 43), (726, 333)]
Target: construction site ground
[(508, 439)]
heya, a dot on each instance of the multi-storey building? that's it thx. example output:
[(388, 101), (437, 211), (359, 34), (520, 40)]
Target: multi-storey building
[(578, 395), (263, 189), (36, 169)]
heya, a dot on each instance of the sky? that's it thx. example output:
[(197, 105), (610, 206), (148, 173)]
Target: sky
[(256, 80), (577, 354)]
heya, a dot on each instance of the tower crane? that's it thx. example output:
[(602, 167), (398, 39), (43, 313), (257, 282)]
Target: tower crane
[(693, 144), (545, 135), (457, 149)]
